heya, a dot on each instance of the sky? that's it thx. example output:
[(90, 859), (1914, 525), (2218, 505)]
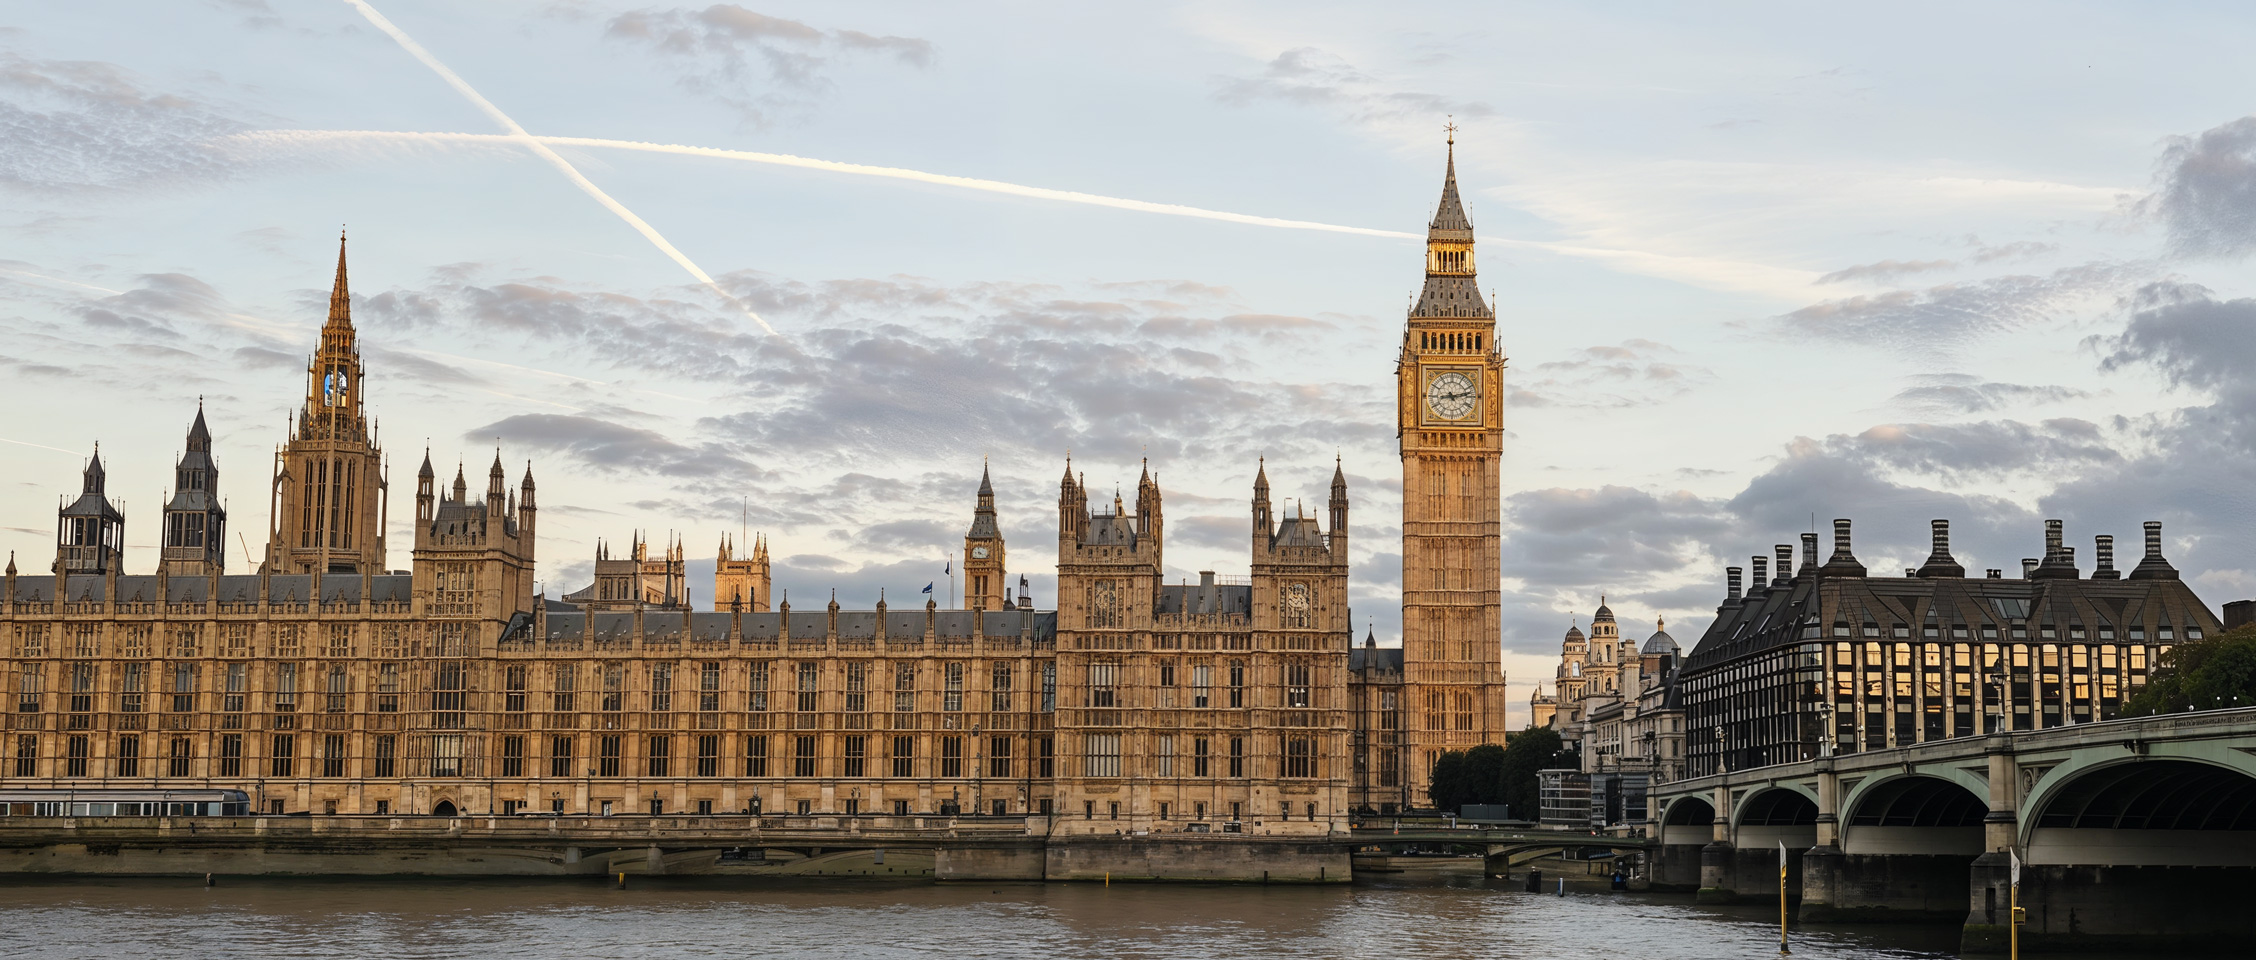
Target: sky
[(800, 269)]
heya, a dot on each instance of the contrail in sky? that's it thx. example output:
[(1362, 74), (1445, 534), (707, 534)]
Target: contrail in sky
[(1704, 271), (833, 166), (518, 135)]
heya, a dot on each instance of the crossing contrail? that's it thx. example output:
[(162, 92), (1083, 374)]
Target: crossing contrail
[(518, 135), (811, 163), (1703, 271)]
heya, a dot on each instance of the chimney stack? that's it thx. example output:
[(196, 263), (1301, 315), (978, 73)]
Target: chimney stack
[(1731, 579), (1940, 563), (1760, 582), (2028, 568), (1785, 564), (2152, 566), (1843, 563), (2059, 561), (1809, 556), (2103, 551)]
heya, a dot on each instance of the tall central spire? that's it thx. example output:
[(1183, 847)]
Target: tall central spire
[(340, 299), (334, 377), (1450, 290), (1449, 222)]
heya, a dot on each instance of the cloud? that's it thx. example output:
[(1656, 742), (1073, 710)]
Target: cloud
[(1954, 313), (1886, 270), (1308, 76), (1958, 393), (2017, 250), (718, 50), (2193, 338), (934, 368), (611, 446), (2206, 199), (1633, 373), (71, 126)]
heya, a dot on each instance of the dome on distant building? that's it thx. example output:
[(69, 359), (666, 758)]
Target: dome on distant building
[(1605, 613), (1660, 641)]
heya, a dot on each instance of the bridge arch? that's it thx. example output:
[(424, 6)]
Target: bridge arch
[(1779, 813), (1913, 814), (1688, 820), (2155, 811)]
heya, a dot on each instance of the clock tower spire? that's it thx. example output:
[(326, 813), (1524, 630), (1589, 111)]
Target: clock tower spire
[(1449, 409), (984, 586)]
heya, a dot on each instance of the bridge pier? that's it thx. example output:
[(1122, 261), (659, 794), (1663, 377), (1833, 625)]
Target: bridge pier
[(1718, 858), (1989, 879)]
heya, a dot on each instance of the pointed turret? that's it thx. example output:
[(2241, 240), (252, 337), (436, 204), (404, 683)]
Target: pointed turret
[(426, 494), (983, 512), (497, 482), (1264, 528), (1339, 510), (461, 486), (340, 297), (91, 533), (195, 524)]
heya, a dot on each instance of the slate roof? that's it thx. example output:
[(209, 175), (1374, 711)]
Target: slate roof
[(1814, 603), (612, 625), (1205, 599), (1374, 658)]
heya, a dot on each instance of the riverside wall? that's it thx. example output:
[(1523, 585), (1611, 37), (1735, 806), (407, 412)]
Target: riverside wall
[(912, 848)]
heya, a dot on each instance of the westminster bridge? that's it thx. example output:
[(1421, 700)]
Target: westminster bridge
[(2135, 833)]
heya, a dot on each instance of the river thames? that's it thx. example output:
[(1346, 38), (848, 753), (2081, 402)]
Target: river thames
[(239, 918)]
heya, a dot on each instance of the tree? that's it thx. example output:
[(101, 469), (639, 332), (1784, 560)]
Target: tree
[(1484, 774), (1447, 791), (1526, 752), (2207, 674)]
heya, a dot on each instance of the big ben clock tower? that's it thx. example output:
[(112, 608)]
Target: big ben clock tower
[(1450, 420)]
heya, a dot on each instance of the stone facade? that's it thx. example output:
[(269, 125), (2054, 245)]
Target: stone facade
[(1450, 423), (1827, 660), (324, 682)]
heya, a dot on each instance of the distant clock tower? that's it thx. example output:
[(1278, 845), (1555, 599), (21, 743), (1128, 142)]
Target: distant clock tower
[(984, 588), (1450, 418)]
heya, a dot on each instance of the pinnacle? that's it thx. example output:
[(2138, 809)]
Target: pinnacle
[(340, 298), (1450, 215)]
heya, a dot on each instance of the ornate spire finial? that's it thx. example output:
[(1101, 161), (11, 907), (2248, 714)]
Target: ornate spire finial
[(1451, 129)]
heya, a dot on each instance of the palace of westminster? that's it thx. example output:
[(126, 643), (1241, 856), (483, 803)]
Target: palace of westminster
[(324, 682)]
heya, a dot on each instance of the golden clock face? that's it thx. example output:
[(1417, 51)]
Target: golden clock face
[(1451, 395), (1296, 597), (979, 553)]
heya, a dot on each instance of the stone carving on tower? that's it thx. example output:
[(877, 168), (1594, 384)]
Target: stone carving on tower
[(1450, 379), (195, 531), (328, 499)]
